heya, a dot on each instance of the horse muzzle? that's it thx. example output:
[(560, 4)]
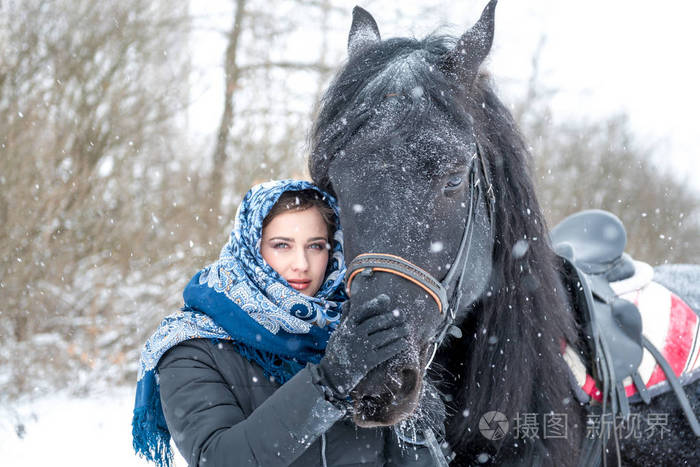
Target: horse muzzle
[(389, 393)]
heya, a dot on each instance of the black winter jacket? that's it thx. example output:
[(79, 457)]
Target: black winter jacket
[(222, 410)]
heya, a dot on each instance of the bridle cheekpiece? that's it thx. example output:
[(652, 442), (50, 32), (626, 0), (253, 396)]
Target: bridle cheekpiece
[(448, 292)]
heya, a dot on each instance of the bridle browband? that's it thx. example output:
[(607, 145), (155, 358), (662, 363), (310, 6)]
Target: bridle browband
[(448, 292)]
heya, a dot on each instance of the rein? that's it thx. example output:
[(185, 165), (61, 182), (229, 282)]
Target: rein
[(448, 292)]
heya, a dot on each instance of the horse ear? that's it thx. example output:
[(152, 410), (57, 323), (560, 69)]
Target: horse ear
[(363, 32), (472, 48)]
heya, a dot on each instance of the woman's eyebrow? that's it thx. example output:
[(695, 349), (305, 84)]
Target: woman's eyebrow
[(315, 239), (285, 239)]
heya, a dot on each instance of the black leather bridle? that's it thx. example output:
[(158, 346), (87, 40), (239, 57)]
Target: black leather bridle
[(448, 292)]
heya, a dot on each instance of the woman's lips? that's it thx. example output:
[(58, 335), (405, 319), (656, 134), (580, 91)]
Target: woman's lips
[(299, 284)]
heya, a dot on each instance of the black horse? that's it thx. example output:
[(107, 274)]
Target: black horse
[(429, 167)]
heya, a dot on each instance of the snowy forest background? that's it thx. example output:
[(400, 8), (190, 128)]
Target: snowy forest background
[(112, 196)]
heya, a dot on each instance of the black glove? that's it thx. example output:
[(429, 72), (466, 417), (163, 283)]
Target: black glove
[(364, 340)]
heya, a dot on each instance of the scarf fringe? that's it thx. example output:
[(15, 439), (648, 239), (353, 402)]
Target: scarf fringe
[(151, 438)]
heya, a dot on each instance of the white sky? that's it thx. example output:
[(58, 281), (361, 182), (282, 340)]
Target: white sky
[(601, 56), (604, 57)]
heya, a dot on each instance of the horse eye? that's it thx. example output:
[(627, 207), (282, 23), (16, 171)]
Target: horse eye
[(453, 182)]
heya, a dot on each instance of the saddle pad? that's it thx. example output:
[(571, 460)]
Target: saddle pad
[(667, 321)]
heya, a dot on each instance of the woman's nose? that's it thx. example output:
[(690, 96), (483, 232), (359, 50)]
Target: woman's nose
[(300, 262)]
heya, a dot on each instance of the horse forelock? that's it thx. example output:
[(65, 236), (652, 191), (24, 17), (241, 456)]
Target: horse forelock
[(392, 91), (515, 331)]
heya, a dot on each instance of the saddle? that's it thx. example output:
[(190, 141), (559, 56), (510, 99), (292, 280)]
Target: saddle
[(591, 245)]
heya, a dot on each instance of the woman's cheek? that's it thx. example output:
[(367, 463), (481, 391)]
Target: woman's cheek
[(322, 263)]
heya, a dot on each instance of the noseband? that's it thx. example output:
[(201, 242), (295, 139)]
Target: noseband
[(448, 292)]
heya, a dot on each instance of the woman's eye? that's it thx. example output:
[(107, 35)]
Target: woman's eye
[(279, 245), (454, 181), (317, 246)]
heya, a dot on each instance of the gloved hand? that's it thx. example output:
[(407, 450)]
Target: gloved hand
[(364, 340)]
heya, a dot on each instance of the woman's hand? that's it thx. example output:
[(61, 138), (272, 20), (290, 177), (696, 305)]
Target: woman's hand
[(371, 335)]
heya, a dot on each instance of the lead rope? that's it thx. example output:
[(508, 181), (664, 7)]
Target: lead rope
[(323, 450), (435, 449)]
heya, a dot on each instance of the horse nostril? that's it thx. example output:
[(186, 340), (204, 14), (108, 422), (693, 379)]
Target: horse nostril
[(388, 396)]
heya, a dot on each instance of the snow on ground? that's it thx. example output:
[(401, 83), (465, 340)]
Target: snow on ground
[(65, 430)]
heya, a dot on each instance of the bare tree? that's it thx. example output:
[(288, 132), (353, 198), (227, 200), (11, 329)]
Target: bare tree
[(269, 85), (232, 71), (88, 95)]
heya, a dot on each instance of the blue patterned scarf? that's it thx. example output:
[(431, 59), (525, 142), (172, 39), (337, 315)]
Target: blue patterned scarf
[(241, 299)]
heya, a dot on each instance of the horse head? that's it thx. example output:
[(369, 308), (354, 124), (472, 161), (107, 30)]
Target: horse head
[(399, 142)]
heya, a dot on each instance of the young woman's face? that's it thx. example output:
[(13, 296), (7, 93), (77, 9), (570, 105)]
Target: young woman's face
[(295, 244)]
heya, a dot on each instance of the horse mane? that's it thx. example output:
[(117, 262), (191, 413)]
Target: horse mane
[(514, 333), (509, 358)]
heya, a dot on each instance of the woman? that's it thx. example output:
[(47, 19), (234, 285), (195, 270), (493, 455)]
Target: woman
[(239, 377)]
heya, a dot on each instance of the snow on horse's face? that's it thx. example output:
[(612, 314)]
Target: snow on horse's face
[(395, 143)]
